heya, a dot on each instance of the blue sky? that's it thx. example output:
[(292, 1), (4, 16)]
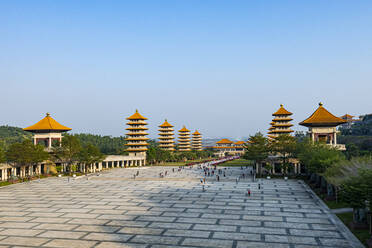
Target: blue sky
[(222, 67)]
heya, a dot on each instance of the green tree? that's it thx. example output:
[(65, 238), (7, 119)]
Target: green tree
[(256, 149), (89, 155), (2, 155), (284, 146), (68, 152), (317, 157), (26, 154)]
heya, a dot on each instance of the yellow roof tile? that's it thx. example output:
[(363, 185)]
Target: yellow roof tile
[(136, 116), (47, 124), (166, 124), (322, 117), (224, 141), (282, 111)]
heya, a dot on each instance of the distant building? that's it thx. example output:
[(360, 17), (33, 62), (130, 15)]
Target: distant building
[(226, 147), (281, 123), (184, 140), (322, 127), (166, 138), (196, 141), (349, 121)]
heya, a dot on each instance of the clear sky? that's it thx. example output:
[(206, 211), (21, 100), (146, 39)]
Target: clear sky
[(222, 67)]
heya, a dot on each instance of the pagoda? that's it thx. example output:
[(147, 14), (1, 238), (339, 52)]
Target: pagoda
[(137, 140), (184, 140), (281, 123), (166, 139), (322, 127), (196, 141), (47, 132)]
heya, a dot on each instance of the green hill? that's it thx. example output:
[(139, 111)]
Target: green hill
[(10, 135)]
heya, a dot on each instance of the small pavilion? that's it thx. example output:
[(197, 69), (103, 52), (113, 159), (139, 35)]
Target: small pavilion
[(47, 132), (322, 127)]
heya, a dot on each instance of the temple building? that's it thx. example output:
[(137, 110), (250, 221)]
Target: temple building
[(226, 147), (47, 132), (137, 140), (281, 123), (322, 127), (184, 140), (349, 121), (196, 141), (166, 138)]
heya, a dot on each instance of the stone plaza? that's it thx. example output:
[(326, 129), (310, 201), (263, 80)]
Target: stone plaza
[(112, 209)]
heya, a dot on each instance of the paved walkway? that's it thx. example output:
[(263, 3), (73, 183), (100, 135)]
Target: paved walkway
[(113, 210)]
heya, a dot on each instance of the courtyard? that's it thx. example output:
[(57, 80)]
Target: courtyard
[(112, 209)]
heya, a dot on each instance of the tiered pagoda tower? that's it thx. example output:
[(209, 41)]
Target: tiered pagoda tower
[(196, 141), (281, 123), (166, 138), (137, 145), (184, 140)]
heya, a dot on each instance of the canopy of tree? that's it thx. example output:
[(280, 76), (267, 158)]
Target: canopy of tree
[(26, 153), (10, 135)]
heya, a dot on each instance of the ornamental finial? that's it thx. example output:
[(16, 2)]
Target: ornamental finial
[(320, 104), (47, 114), (281, 105)]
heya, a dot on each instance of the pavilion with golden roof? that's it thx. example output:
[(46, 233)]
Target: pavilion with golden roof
[(184, 143), (137, 140), (47, 132), (281, 124), (322, 127), (166, 138), (196, 141)]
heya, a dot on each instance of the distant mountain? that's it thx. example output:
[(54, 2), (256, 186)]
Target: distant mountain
[(10, 135)]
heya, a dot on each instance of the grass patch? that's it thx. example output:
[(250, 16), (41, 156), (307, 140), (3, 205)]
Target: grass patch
[(237, 162), (362, 235), (5, 183), (335, 205)]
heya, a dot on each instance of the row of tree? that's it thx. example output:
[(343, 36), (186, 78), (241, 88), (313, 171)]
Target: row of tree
[(316, 157), (69, 153), (156, 155)]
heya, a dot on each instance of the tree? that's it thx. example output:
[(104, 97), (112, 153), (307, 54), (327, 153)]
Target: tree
[(26, 154), (256, 149), (317, 157), (89, 155), (284, 146), (68, 151), (2, 155)]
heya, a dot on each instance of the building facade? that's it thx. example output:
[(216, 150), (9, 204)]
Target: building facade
[(226, 147)]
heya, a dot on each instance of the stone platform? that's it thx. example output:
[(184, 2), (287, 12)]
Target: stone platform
[(114, 210)]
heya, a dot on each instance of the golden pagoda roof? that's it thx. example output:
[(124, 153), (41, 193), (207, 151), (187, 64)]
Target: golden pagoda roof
[(166, 124), (347, 116), (322, 117), (282, 131), (271, 128), (282, 111), (136, 116), (283, 125), (224, 141), (282, 119), (196, 133), (272, 123), (47, 124), (136, 128), (239, 143), (184, 129)]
